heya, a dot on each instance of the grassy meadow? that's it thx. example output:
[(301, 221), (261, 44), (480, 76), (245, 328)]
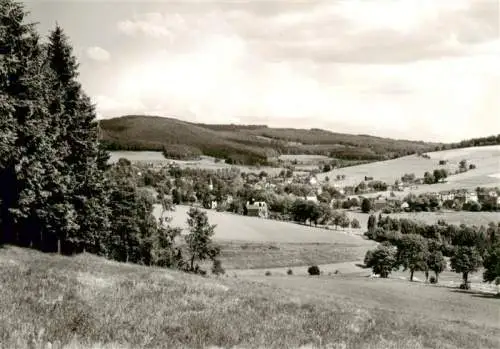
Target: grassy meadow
[(452, 217), (250, 229), (88, 302), (487, 160)]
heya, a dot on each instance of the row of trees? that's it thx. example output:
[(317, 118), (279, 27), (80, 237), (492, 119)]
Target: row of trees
[(58, 193), (308, 211), (418, 247)]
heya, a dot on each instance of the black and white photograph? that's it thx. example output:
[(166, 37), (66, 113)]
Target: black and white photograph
[(250, 174)]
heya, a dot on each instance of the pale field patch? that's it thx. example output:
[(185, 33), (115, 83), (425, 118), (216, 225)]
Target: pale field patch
[(487, 160)]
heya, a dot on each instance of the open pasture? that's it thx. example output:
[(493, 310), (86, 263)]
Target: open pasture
[(89, 302), (487, 160), (246, 256), (136, 156), (304, 158), (252, 229), (410, 299), (451, 217)]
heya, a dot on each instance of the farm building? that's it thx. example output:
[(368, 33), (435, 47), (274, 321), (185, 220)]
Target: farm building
[(257, 209), (379, 204)]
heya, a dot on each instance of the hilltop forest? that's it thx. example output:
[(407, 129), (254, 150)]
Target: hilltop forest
[(256, 144), (247, 144)]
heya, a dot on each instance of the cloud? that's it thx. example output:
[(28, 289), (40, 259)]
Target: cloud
[(98, 54), (111, 106), (393, 68)]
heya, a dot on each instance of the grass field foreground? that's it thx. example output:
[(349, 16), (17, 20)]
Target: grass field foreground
[(89, 302)]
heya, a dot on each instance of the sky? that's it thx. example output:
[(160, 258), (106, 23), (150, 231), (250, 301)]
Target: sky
[(413, 69)]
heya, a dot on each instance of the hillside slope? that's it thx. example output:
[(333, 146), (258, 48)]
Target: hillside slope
[(486, 159), (89, 302), (247, 144)]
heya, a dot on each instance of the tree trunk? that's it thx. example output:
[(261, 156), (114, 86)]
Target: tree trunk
[(437, 277), (411, 275), (58, 246), (426, 276), (465, 277), (192, 262)]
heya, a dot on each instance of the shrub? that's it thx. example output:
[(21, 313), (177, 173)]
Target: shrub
[(355, 224), (289, 272), (432, 280), (268, 273), (366, 205), (217, 268), (313, 270), (465, 286)]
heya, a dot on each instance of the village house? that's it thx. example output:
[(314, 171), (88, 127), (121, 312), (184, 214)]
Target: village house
[(393, 202), (447, 196), (379, 204), (471, 196), (257, 209), (311, 197), (312, 180)]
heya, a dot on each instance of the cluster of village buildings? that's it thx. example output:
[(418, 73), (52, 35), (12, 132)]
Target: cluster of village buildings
[(384, 200)]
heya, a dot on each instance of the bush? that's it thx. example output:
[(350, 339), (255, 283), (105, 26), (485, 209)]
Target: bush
[(289, 272), (313, 270), (355, 224), (432, 280), (366, 205), (217, 268), (268, 273), (465, 286)]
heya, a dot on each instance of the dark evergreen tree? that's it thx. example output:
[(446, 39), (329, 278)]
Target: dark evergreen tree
[(84, 162), (28, 172)]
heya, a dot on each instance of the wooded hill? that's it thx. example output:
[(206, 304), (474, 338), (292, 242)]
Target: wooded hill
[(247, 144)]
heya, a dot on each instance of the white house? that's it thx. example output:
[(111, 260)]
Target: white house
[(447, 196), (492, 194), (313, 181), (313, 198), (471, 196)]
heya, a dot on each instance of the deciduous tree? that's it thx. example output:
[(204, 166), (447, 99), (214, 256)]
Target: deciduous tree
[(465, 260), (199, 238)]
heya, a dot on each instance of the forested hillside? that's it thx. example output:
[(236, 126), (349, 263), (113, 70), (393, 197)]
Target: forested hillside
[(247, 144)]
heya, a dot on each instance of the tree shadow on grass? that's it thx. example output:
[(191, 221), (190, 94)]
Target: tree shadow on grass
[(478, 294)]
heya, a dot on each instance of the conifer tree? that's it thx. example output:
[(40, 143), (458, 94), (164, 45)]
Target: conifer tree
[(27, 173), (78, 144)]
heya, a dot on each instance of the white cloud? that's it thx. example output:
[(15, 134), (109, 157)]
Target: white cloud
[(111, 106), (421, 68), (98, 54)]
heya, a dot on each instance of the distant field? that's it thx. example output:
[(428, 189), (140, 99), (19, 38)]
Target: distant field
[(243, 255), (469, 218), (304, 158), (487, 160), (252, 229), (205, 162), (136, 156)]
